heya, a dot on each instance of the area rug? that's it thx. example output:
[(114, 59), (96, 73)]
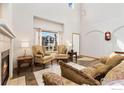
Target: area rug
[(38, 74), (30, 79)]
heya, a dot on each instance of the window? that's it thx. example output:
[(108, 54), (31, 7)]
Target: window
[(49, 40), (71, 5)]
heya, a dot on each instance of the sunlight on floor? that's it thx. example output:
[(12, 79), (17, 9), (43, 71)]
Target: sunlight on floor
[(17, 81)]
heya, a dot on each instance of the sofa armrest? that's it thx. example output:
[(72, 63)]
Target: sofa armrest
[(76, 75)]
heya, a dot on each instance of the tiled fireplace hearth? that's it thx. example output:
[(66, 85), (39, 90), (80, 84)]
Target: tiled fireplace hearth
[(6, 52)]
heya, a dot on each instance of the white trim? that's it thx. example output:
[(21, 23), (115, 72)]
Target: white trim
[(0, 69), (6, 31), (5, 28)]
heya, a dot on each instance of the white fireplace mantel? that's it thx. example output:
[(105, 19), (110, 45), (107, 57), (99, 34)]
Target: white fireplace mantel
[(5, 29), (6, 42)]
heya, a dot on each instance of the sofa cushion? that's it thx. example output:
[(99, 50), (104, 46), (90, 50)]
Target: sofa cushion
[(116, 73), (96, 70), (103, 59), (90, 71), (113, 60), (101, 68)]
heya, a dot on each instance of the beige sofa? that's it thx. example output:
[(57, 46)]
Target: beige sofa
[(40, 56), (74, 76), (114, 77), (91, 75)]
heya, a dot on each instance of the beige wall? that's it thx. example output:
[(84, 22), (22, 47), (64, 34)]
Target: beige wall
[(6, 14), (23, 21), (97, 18)]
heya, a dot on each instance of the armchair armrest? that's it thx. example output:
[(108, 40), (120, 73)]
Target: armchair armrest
[(39, 56), (47, 54)]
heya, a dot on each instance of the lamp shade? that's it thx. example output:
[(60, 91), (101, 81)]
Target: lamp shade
[(25, 44)]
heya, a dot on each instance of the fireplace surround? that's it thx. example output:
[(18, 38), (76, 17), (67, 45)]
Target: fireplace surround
[(6, 52)]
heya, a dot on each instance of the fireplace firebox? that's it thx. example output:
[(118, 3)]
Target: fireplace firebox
[(4, 67)]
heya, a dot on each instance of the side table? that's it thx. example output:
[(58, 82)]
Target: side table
[(72, 54), (24, 59)]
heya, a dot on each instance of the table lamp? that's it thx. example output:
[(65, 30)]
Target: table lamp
[(25, 45)]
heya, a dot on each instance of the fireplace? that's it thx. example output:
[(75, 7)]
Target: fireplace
[(4, 67)]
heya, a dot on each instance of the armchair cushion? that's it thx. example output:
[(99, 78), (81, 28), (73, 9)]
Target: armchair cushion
[(47, 57), (39, 50), (62, 49), (62, 55), (38, 56)]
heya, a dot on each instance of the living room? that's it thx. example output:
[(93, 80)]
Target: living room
[(61, 43)]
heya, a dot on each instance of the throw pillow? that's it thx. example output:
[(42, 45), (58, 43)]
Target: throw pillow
[(52, 79)]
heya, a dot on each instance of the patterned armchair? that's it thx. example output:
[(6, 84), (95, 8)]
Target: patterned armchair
[(62, 53), (40, 56)]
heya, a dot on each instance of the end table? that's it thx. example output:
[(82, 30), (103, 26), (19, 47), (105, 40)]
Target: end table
[(24, 59), (72, 54)]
